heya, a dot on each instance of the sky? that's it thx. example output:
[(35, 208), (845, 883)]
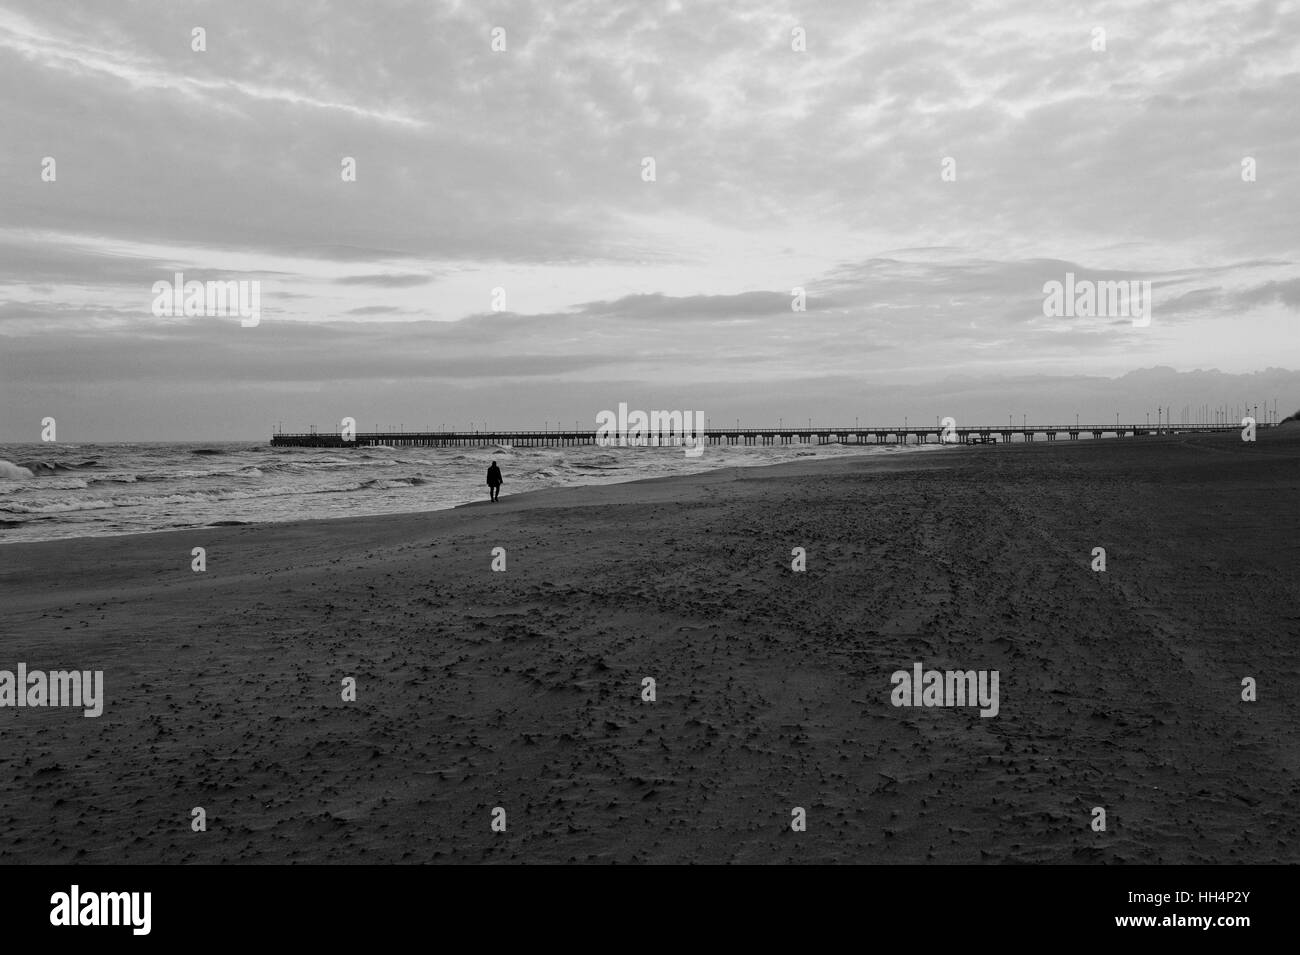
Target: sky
[(502, 256)]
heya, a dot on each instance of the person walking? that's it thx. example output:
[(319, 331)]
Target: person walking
[(494, 480)]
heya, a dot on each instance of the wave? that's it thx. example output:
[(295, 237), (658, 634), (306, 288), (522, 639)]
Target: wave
[(56, 467), (44, 467), (389, 462), (384, 484), (148, 476), (14, 472), (59, 484), (55, 507), (104, 504), (200, 496), (300, 467)]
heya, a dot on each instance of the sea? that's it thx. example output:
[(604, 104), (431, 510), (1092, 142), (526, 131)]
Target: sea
[(52, 491)]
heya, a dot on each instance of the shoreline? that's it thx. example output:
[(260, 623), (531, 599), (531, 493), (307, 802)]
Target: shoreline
[(453, 507)]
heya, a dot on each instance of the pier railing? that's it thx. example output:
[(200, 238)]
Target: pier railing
[(969, 434)]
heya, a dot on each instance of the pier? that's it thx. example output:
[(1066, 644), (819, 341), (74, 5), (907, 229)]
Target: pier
[(971, 434)]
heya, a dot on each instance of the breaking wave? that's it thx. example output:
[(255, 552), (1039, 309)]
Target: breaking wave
[(14, 472)]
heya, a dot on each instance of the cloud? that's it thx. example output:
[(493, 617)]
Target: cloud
[(691, 307), (138, 71), (522, 170), (1287, 292), (386, 281)]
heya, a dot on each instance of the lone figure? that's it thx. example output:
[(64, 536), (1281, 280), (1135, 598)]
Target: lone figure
[(494, 480)]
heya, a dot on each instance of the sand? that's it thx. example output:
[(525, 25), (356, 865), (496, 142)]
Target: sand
[(522, 689)]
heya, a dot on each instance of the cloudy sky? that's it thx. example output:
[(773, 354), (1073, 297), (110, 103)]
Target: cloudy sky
[(522, 169)]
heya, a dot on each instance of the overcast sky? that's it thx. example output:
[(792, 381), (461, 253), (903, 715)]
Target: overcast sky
[(523, 169)]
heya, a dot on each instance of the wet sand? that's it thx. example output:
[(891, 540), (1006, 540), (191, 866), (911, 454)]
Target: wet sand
[(522, 689)]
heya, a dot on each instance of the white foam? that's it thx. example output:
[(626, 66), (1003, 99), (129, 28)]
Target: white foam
[(13, 472)]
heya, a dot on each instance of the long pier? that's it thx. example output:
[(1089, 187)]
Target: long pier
[(971, 434)]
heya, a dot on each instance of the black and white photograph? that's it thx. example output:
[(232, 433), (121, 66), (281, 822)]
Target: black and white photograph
[(671, 432)]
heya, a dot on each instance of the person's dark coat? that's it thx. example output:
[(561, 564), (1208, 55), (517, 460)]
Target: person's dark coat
[(494, 476)]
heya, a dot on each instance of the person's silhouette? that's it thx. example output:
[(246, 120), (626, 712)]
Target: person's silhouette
[(494, 480)]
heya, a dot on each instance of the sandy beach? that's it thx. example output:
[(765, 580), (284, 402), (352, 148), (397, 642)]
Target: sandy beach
[(522, 689)]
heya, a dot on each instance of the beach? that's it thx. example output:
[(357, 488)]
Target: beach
[(523, 688)]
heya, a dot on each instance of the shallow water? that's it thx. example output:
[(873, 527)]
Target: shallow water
[(50, 491)]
